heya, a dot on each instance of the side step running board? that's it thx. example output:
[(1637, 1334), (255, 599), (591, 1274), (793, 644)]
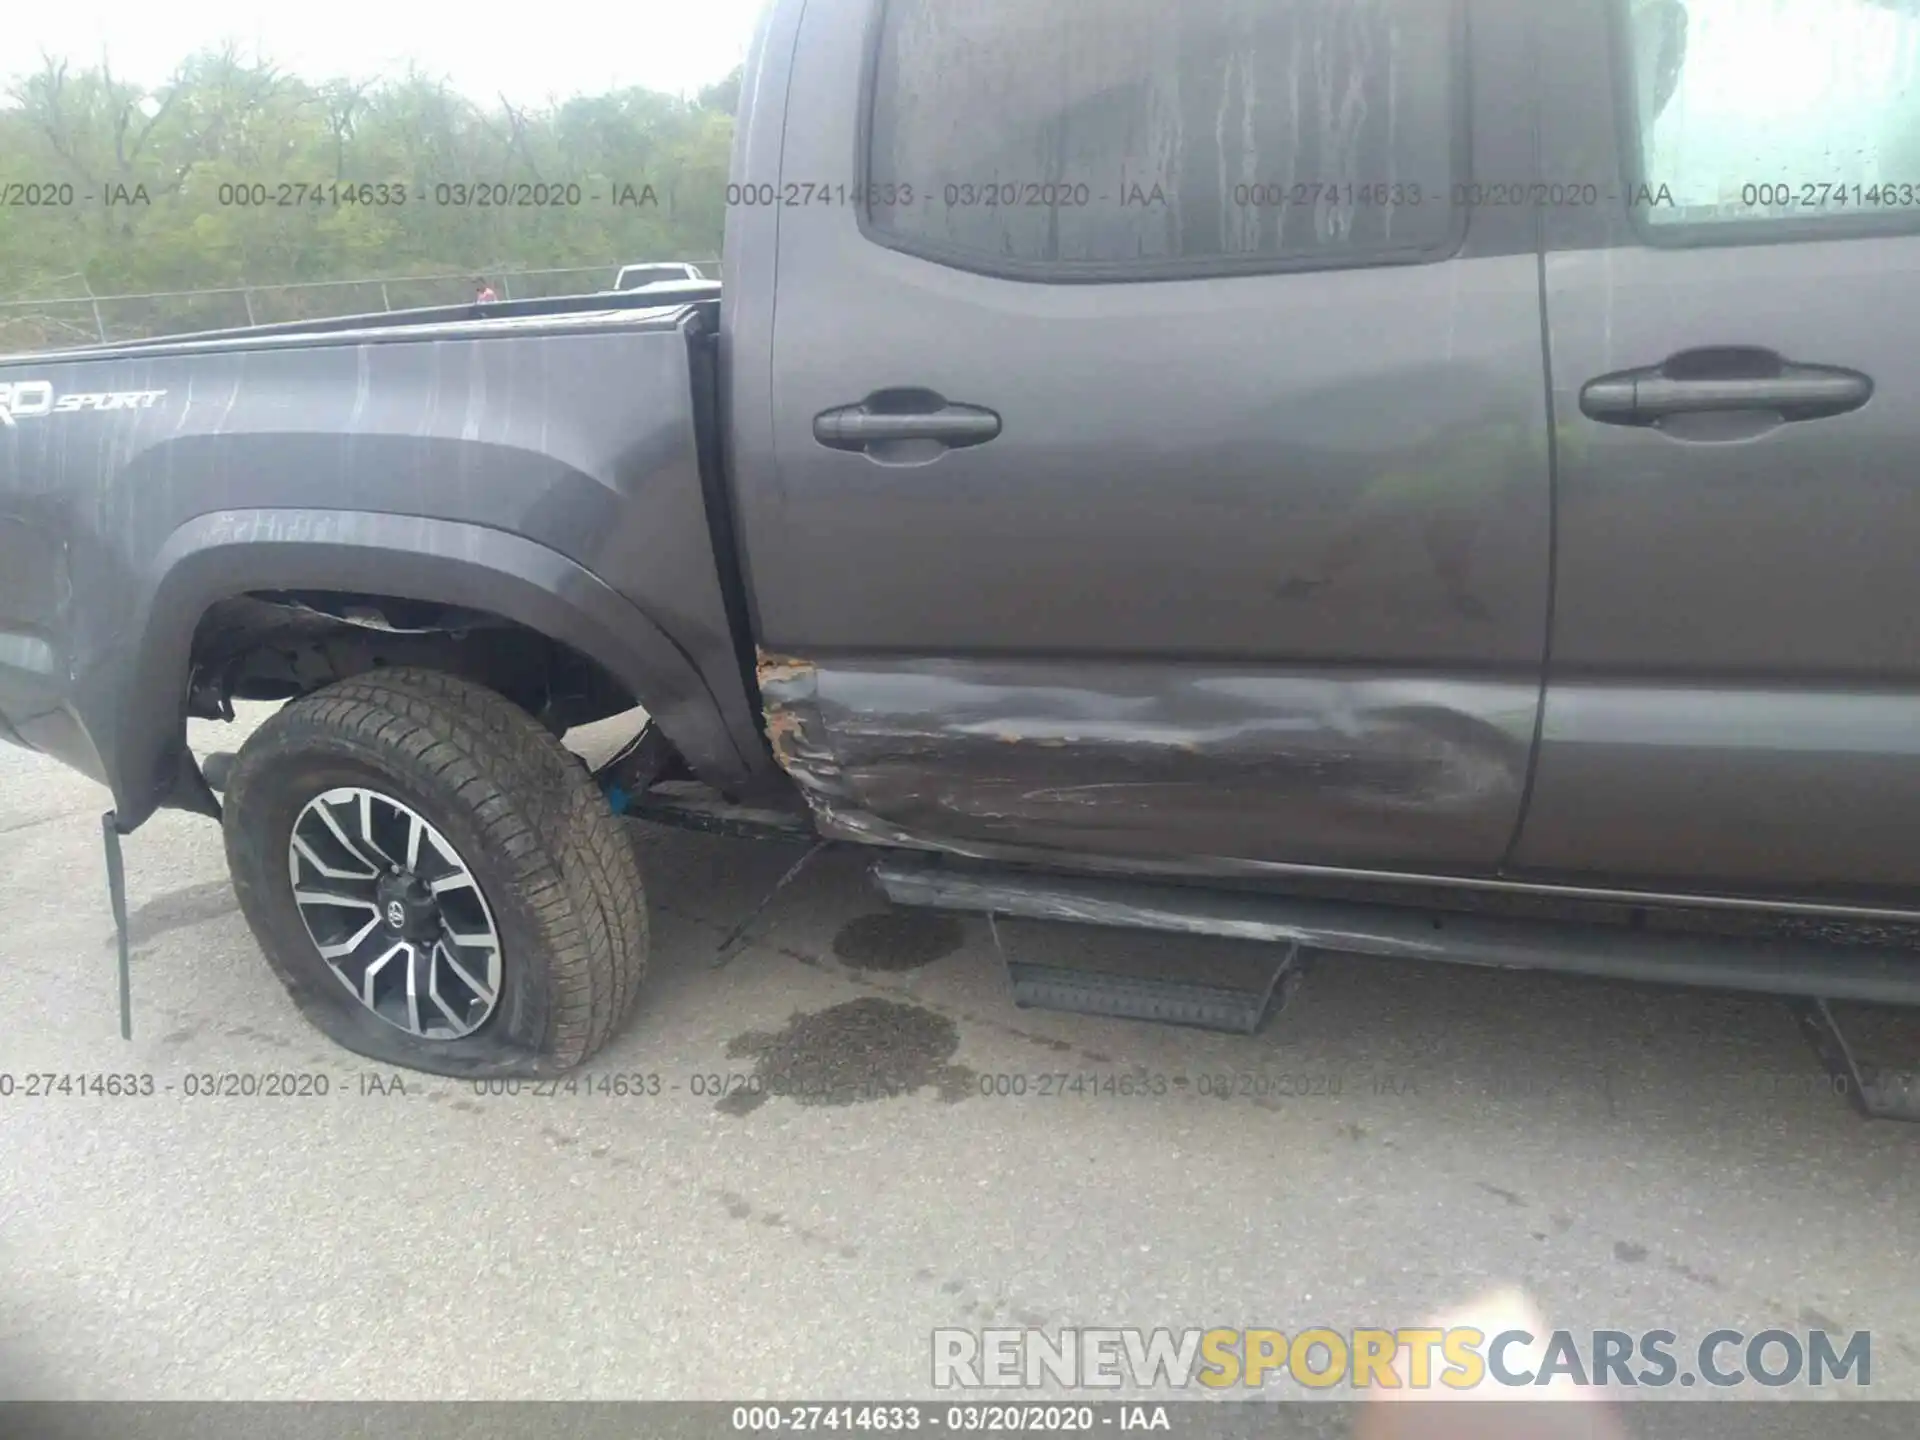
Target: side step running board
[(1771, 967), (1166, 1002), (1809, 974), (1878, 1092)]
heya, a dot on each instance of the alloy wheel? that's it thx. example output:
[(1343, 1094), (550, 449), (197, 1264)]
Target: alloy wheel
[(395, 912)]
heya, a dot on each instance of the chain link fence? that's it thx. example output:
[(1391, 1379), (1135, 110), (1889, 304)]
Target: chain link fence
[(87, 319)]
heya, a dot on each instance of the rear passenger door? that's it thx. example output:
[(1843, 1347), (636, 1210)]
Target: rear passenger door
[(1735, 331), (1160, 429)]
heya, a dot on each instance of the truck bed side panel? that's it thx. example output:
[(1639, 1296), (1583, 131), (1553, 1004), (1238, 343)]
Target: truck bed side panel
[(574, 437)]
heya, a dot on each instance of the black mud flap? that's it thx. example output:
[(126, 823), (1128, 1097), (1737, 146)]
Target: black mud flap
[(117, 897)]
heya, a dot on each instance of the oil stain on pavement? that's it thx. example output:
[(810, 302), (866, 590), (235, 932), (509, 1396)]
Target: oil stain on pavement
[(867, 1049), (897, 940)]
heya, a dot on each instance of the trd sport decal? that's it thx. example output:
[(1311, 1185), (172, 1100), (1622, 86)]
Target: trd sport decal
[(30, 399)]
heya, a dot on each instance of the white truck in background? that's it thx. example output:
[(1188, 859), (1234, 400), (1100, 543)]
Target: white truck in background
[(640, 277)]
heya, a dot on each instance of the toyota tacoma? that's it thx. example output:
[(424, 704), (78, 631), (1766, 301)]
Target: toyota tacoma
[(1379, 475)]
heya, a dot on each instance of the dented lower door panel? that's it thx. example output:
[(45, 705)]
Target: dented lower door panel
[(1336, 767)]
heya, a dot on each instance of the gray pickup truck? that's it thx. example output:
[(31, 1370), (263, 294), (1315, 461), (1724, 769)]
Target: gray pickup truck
[(1425, 477)]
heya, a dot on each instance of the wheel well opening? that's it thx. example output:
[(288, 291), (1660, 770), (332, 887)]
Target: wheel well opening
[(280, 645)]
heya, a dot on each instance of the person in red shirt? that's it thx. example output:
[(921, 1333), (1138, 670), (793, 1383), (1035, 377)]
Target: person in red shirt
[(485, 295)]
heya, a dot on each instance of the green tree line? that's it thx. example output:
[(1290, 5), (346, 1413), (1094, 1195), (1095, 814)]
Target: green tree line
[(235, 173)]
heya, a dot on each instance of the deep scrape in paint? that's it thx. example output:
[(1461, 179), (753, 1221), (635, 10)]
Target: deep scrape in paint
[(1107, 758), (798, 736)]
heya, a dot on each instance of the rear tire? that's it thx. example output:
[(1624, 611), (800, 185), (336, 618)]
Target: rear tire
[(509, 938)]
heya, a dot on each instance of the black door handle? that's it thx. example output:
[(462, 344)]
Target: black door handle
[(891, 418), (1700, 382)]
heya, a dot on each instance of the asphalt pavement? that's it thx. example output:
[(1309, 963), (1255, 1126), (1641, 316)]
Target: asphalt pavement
[(814, 1150)]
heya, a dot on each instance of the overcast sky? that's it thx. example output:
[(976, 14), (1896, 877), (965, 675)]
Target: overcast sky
[(482, 49)]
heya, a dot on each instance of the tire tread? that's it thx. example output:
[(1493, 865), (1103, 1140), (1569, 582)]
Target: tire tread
[(539, 810)]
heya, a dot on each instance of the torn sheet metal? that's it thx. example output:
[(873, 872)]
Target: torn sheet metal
[(1154, 759), (789, 691)]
